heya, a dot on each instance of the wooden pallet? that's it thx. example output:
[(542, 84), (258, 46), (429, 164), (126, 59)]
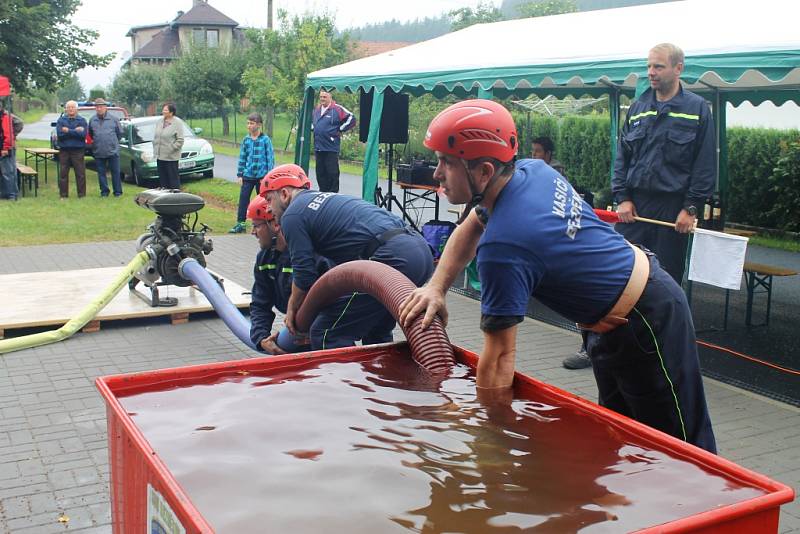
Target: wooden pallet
[(53, 298)]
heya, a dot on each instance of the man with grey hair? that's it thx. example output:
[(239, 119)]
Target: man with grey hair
[(256, 159), (106, 132), (666, 161), (71, 129)]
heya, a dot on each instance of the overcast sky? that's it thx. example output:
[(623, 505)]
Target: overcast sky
[(113, 19)]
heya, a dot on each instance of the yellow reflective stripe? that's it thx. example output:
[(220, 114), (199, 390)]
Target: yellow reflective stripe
[(643, 114), (287, 270), (685, 116), (266, 266)]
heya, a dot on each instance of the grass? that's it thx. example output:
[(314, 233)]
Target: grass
[(789, 245), (32, 115), (212, 129), (46, 220)]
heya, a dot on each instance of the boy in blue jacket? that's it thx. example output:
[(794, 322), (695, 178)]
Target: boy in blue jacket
[(256, 159)]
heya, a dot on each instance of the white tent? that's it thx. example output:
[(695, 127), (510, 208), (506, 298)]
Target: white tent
[(735, 51)]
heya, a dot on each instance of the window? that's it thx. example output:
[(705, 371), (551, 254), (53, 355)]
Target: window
[(201, 36), (212, 38)]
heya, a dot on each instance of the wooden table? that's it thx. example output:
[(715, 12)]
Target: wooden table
[(419, 197), (42, 154)]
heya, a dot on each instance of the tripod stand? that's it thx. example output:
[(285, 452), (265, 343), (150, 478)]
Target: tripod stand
[(385, 201)]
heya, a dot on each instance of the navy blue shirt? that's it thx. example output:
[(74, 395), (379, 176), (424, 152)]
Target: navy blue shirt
[(272, 286), (338, 227), (71, 139), (543, 240), (667, 147)]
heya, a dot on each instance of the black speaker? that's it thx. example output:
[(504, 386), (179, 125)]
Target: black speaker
[(394, 122)]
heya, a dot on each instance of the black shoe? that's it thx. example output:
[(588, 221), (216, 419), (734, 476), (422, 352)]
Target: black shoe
[(579, 360)]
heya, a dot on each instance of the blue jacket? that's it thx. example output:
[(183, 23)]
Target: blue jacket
[(71, 139), (106, 133), (667, 147), (329, 126), (272, 286), (338, 227), (256, 157)]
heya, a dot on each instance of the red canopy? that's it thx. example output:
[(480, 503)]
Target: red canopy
[(5, 87)]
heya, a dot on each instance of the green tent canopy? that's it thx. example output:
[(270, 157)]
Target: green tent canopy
[(736, 51)]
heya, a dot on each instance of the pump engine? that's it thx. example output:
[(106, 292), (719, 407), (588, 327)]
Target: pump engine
[(173, 236)]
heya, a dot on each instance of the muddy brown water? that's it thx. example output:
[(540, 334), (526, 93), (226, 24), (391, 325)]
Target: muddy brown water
[(375, 446)]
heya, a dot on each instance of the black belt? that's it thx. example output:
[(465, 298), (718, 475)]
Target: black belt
[(381, 239)]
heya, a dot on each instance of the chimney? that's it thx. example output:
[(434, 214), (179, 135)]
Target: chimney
[(195, 2)]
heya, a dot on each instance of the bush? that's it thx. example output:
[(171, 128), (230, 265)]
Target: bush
[(752, 156), (785, 185)]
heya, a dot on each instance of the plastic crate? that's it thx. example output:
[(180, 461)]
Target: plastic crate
[(142, 487)]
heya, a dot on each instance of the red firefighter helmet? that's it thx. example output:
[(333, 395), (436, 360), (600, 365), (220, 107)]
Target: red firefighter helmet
[(474, 129), (288, 175), (259, 209)]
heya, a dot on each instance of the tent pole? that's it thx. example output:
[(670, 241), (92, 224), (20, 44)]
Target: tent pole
[(370, 180), (302, 147), (613, 109), (721, 121)]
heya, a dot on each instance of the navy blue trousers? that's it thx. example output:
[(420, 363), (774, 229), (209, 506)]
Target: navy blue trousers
[(246, 191), (668, 245), (360, 316), (105, 165), (327, 169), (648, 369)]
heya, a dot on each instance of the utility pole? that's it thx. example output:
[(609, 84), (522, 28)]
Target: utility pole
[(270, 112)]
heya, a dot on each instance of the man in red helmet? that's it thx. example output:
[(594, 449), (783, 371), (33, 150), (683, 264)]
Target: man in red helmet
[(534, 236), (272, 276), (341, 228)]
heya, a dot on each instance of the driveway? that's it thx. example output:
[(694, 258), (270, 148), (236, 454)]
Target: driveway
[(39, 130)]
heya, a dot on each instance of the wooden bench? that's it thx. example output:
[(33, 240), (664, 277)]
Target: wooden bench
[(759, 275), (740, 232), (27, 175)]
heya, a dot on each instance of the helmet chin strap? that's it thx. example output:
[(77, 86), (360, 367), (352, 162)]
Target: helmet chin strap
[(477, 197)]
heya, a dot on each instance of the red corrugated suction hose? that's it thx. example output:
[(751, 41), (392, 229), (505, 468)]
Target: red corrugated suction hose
[(429, 347)]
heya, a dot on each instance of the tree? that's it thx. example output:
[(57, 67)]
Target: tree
[(138, 85), (545, 8), (299, 46), (39, 45), (71, 89), (466, 16), (206, 78), (98, 91)]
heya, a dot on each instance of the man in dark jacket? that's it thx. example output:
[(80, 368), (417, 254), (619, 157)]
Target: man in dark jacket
[(272, 276), (106, 133), (71, 130), (666, 161), (329, 121)]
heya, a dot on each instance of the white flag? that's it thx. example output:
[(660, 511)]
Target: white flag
[(717, 258)]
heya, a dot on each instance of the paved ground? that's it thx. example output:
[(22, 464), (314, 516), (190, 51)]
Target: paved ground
[(53, 457)]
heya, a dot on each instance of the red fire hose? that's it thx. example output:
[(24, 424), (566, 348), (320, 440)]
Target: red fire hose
[(430, 347)]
